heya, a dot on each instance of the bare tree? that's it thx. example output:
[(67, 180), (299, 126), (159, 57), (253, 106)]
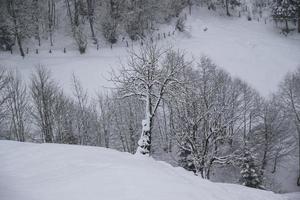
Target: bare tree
[(17, 106), (44, 92), (290, 92), (64, 120), (82, 113), (149, 76), (209, 119), (73, 11), (91, 16), (51, 19), (106, 111), (4, 96), (19, 14)]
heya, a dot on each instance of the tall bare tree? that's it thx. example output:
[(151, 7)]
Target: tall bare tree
[(21, 20), (4, 96), (148, 76), (290, 92), (17, 106), (44, 92)]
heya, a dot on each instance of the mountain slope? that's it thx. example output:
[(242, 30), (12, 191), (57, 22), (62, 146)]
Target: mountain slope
[(52, 172), (251, 50)]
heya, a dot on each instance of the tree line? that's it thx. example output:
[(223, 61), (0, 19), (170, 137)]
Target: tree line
[(88, 20), (163, 104), (84, 19)]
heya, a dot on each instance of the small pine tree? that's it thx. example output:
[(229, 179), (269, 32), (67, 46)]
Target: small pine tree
[(251, 175)]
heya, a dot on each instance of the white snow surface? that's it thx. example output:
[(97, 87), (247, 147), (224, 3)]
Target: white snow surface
[(251, 50), (60, 172)]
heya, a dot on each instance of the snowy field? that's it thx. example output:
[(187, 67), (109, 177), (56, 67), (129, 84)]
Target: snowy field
[(52, 171), (253, 51)]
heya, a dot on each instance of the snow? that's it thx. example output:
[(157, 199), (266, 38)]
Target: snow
[(54, 171), (293, 196), (251, 50)]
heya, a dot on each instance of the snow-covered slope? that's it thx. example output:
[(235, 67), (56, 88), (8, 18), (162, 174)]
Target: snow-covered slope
[(253, 51), (60, 172)]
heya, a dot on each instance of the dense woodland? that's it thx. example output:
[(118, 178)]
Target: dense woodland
[(88, 20), (191, 113)]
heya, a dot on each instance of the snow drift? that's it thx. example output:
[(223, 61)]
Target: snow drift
[(54, 172)]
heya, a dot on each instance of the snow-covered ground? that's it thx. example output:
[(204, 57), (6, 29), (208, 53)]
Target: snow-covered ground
[(53, 171), (253, 51)]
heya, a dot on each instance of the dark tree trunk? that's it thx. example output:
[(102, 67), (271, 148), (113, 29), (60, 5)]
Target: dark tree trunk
[(266, 146), (20, 46), (90, 7), (227, 7), (298, 20), (190, 7), (16, 29), (51, 19), (298, 130), (36, 18), (275, 163), (286, 26)]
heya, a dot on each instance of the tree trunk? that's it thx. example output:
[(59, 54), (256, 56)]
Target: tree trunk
[(298, 130), (275, 163), (298, 20), (51, 19), (20, 45), (190, 7), (92, 29), (144, 143), (286, 26), (266, 146), (90, 8), (17, 34), (227, 8), (37, 23)]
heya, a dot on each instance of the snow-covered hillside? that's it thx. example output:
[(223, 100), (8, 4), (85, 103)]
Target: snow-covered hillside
[(52, 171), (251, 50)]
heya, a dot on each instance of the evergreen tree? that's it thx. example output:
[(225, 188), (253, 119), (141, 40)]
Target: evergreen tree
[(296, 3), (284, 10), (251, 175)]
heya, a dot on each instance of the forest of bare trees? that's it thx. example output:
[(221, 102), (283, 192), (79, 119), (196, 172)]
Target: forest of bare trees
[(163, 105)]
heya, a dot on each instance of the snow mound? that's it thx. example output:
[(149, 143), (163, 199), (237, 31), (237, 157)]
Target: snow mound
[(53, 171)]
